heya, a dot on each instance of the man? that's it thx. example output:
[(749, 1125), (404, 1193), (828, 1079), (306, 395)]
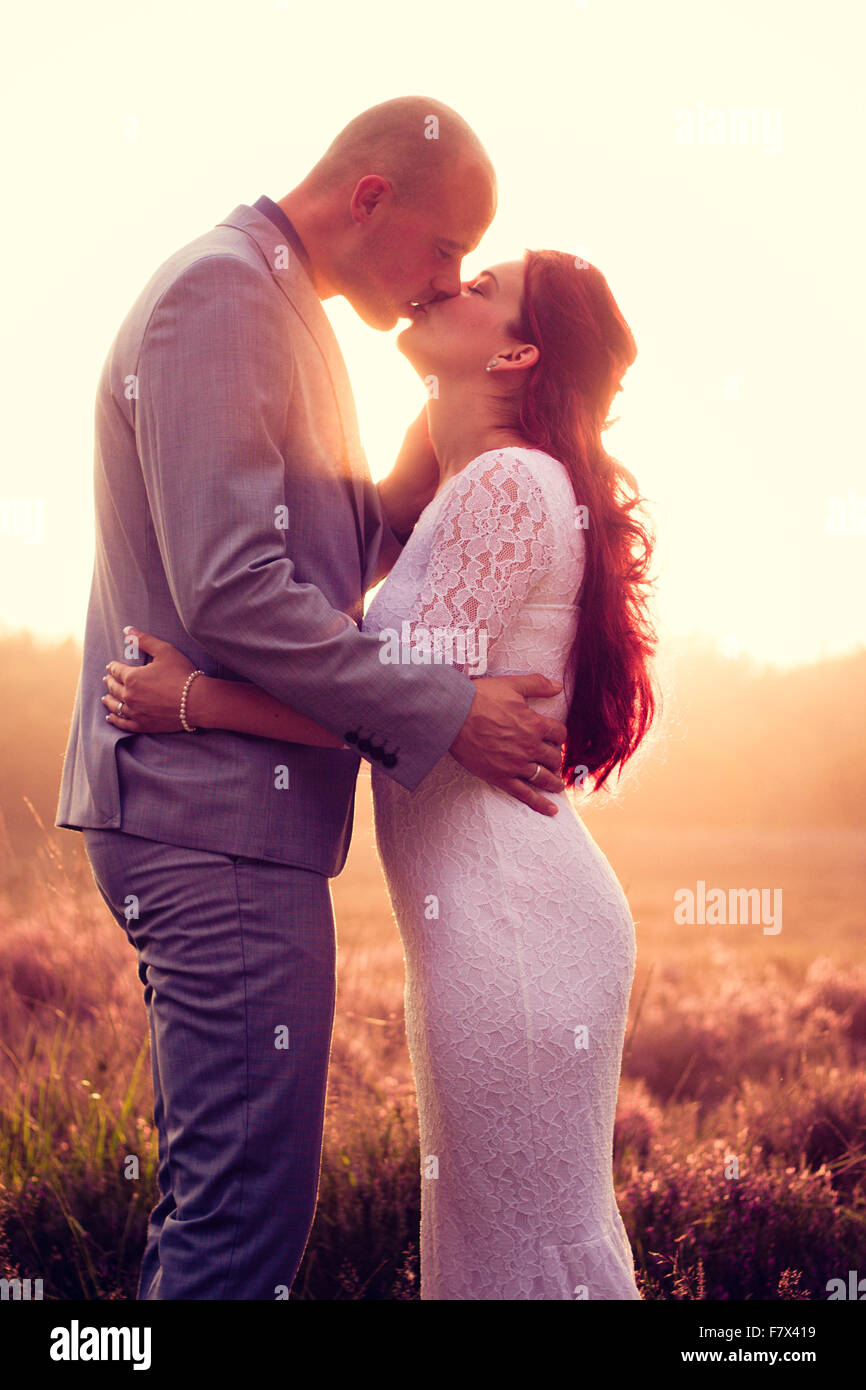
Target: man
[(236, 519)]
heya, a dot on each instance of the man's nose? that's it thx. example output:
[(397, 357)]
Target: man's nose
[(446, 286)]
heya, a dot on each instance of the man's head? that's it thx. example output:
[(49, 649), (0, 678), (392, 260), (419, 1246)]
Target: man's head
[(391, 208)]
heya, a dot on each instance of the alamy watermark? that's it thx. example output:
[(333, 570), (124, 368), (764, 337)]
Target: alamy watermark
[(25, 1290), (737, 907), (846, 516), (423, 646), (23, 518), (732, 125)]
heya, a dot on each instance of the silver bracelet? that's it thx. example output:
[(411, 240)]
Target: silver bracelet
[(190, 728)]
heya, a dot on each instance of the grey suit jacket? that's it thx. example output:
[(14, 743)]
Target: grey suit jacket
[(236, 518)]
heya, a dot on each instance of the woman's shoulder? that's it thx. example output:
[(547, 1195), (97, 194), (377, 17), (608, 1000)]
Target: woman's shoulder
[(514, 458), (548, 473), (521, 455), (501, 486)]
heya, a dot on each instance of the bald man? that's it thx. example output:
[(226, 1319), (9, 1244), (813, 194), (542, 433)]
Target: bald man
[(393, 205), (236, 518)]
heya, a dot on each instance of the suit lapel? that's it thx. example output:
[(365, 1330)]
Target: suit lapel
[(289, 273)]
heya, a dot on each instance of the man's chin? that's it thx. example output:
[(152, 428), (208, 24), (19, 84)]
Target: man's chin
[(377, 316)]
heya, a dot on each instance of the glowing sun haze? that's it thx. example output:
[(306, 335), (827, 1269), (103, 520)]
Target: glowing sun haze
[(705, 157)]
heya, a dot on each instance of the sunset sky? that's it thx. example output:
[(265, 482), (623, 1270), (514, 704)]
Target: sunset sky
[(732, 242)]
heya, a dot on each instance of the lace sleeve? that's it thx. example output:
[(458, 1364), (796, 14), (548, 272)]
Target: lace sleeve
[(492, 543)]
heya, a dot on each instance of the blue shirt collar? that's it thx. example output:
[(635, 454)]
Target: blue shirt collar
[(279, 218)]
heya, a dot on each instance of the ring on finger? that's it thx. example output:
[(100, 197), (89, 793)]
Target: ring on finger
[(119, 710), (535, 773)]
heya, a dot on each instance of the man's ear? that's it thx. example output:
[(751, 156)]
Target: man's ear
[(517, 358), (369, 192)]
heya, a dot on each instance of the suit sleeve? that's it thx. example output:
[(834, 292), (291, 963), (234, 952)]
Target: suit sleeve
[(214, 395)]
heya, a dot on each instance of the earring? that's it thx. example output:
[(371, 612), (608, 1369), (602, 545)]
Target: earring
[(494, 362)]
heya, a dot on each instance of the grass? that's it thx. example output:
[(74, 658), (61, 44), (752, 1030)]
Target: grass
[(740, 1146)]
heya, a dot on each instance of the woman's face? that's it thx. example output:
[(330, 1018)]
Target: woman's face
[(458, 336)]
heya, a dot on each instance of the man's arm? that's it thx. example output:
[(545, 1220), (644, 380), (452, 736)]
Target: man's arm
[(148, 698), (214, 388)]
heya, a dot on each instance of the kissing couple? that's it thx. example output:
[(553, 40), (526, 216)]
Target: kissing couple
[(215, 744)]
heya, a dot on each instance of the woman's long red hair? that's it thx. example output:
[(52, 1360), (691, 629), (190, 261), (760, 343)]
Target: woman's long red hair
[(585, 346)]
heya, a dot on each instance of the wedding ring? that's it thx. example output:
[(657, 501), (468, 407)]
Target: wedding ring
[(535, 773), (119, 709)]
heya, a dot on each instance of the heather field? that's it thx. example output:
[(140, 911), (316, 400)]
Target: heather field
[(740, 1148), (743, 1050)]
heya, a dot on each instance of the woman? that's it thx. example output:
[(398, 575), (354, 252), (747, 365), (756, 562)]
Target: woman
[(518, 939)]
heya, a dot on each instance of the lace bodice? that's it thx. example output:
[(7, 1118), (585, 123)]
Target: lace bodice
[(495, 561)]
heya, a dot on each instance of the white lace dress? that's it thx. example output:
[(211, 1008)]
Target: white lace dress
[(518, 940)]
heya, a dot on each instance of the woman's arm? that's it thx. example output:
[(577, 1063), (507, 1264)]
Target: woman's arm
[(149, 698), (247, 709)]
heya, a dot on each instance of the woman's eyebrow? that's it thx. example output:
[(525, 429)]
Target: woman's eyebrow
[(490, 273)]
